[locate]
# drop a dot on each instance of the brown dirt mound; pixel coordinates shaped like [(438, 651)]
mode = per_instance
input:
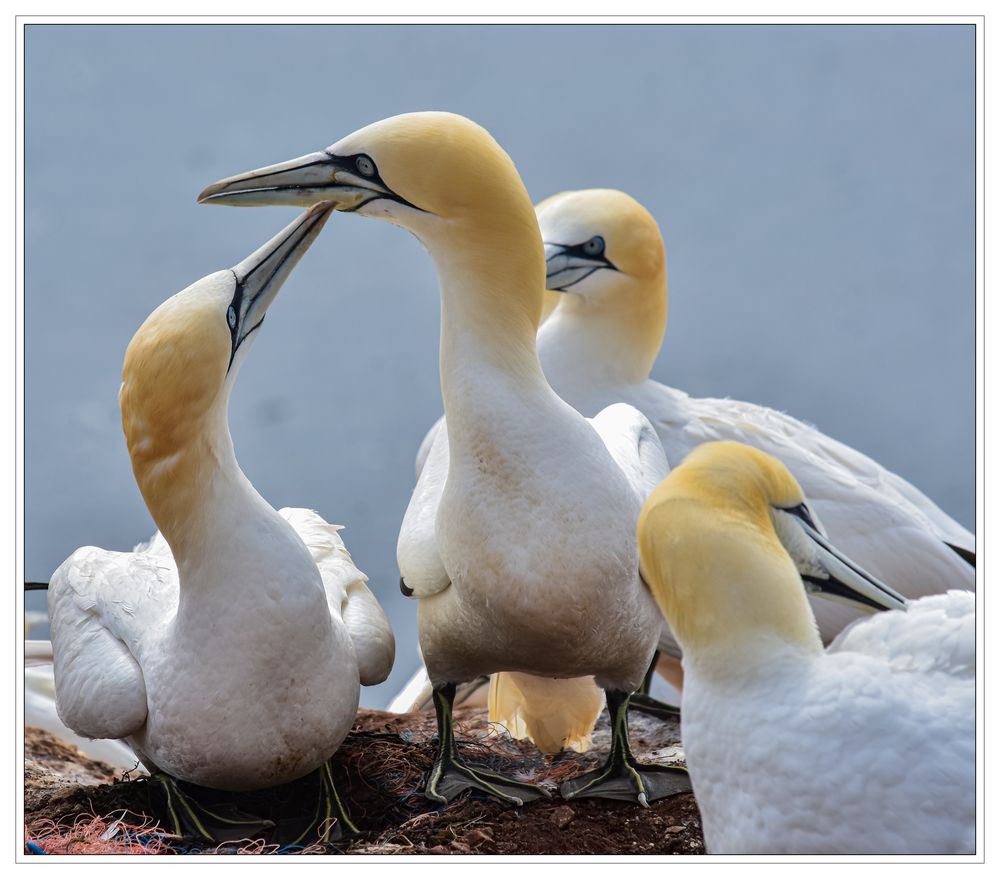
[(379, 771)]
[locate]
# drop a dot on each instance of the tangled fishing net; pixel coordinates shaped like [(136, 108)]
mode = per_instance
[(94, 835)]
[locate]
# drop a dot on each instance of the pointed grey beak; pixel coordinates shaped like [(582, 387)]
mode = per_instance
[(307, 180), (845, 581), (259, 277), (565, 266), (303, 181)]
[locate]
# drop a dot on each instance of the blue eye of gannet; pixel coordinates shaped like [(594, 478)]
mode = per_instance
[(569, 264), (231, 317), (363, 165)]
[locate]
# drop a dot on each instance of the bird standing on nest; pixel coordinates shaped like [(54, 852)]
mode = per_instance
[(527, 559)]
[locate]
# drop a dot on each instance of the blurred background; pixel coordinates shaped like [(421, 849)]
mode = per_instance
[(815, 187)]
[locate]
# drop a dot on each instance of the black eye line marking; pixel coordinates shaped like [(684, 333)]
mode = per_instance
[(237, 301), (833, 586), (235, 304), (830, 584), (577, 250), (349, 164), (801, 511)]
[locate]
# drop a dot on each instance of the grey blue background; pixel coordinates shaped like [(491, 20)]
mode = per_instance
[(814, 184)]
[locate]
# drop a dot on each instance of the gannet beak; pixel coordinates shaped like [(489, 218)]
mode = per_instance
[(566, 265), (259, 277), (833, 575), (317, 177)]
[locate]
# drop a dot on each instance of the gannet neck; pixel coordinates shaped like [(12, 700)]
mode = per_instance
[(228, 541), (744, 660), (174, 398), (612, 340), (491, 271), (188, 475)]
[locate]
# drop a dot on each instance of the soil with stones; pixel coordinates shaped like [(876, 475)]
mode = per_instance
[(379, 770)]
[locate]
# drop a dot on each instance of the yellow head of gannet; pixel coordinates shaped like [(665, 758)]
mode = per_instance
[(415, 171), (604, 251), (727, 542), (180, 367)]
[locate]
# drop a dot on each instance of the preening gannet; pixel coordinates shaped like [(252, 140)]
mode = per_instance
[(866, 747), (228, 651), (526, 560)]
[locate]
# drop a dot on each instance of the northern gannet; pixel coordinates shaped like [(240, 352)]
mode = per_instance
[(519, 543), (600, 344), (866, 747), (228, 650)]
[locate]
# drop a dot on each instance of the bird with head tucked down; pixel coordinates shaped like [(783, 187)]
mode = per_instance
[(865, 747)]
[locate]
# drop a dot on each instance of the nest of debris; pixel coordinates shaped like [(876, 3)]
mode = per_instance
[(77, 806)]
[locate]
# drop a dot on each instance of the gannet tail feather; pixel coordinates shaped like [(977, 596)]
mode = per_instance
[(968, 555), (554, 714), (37, 653), (415, 696), (418, 694)]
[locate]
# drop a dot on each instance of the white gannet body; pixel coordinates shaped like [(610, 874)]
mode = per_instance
[(519, 541), (865, 747), (226, 651)]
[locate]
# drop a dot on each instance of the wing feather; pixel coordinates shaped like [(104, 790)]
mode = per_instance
[(348, 596), (934, 634), (417, 550), (635, 446), (97, 599)]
